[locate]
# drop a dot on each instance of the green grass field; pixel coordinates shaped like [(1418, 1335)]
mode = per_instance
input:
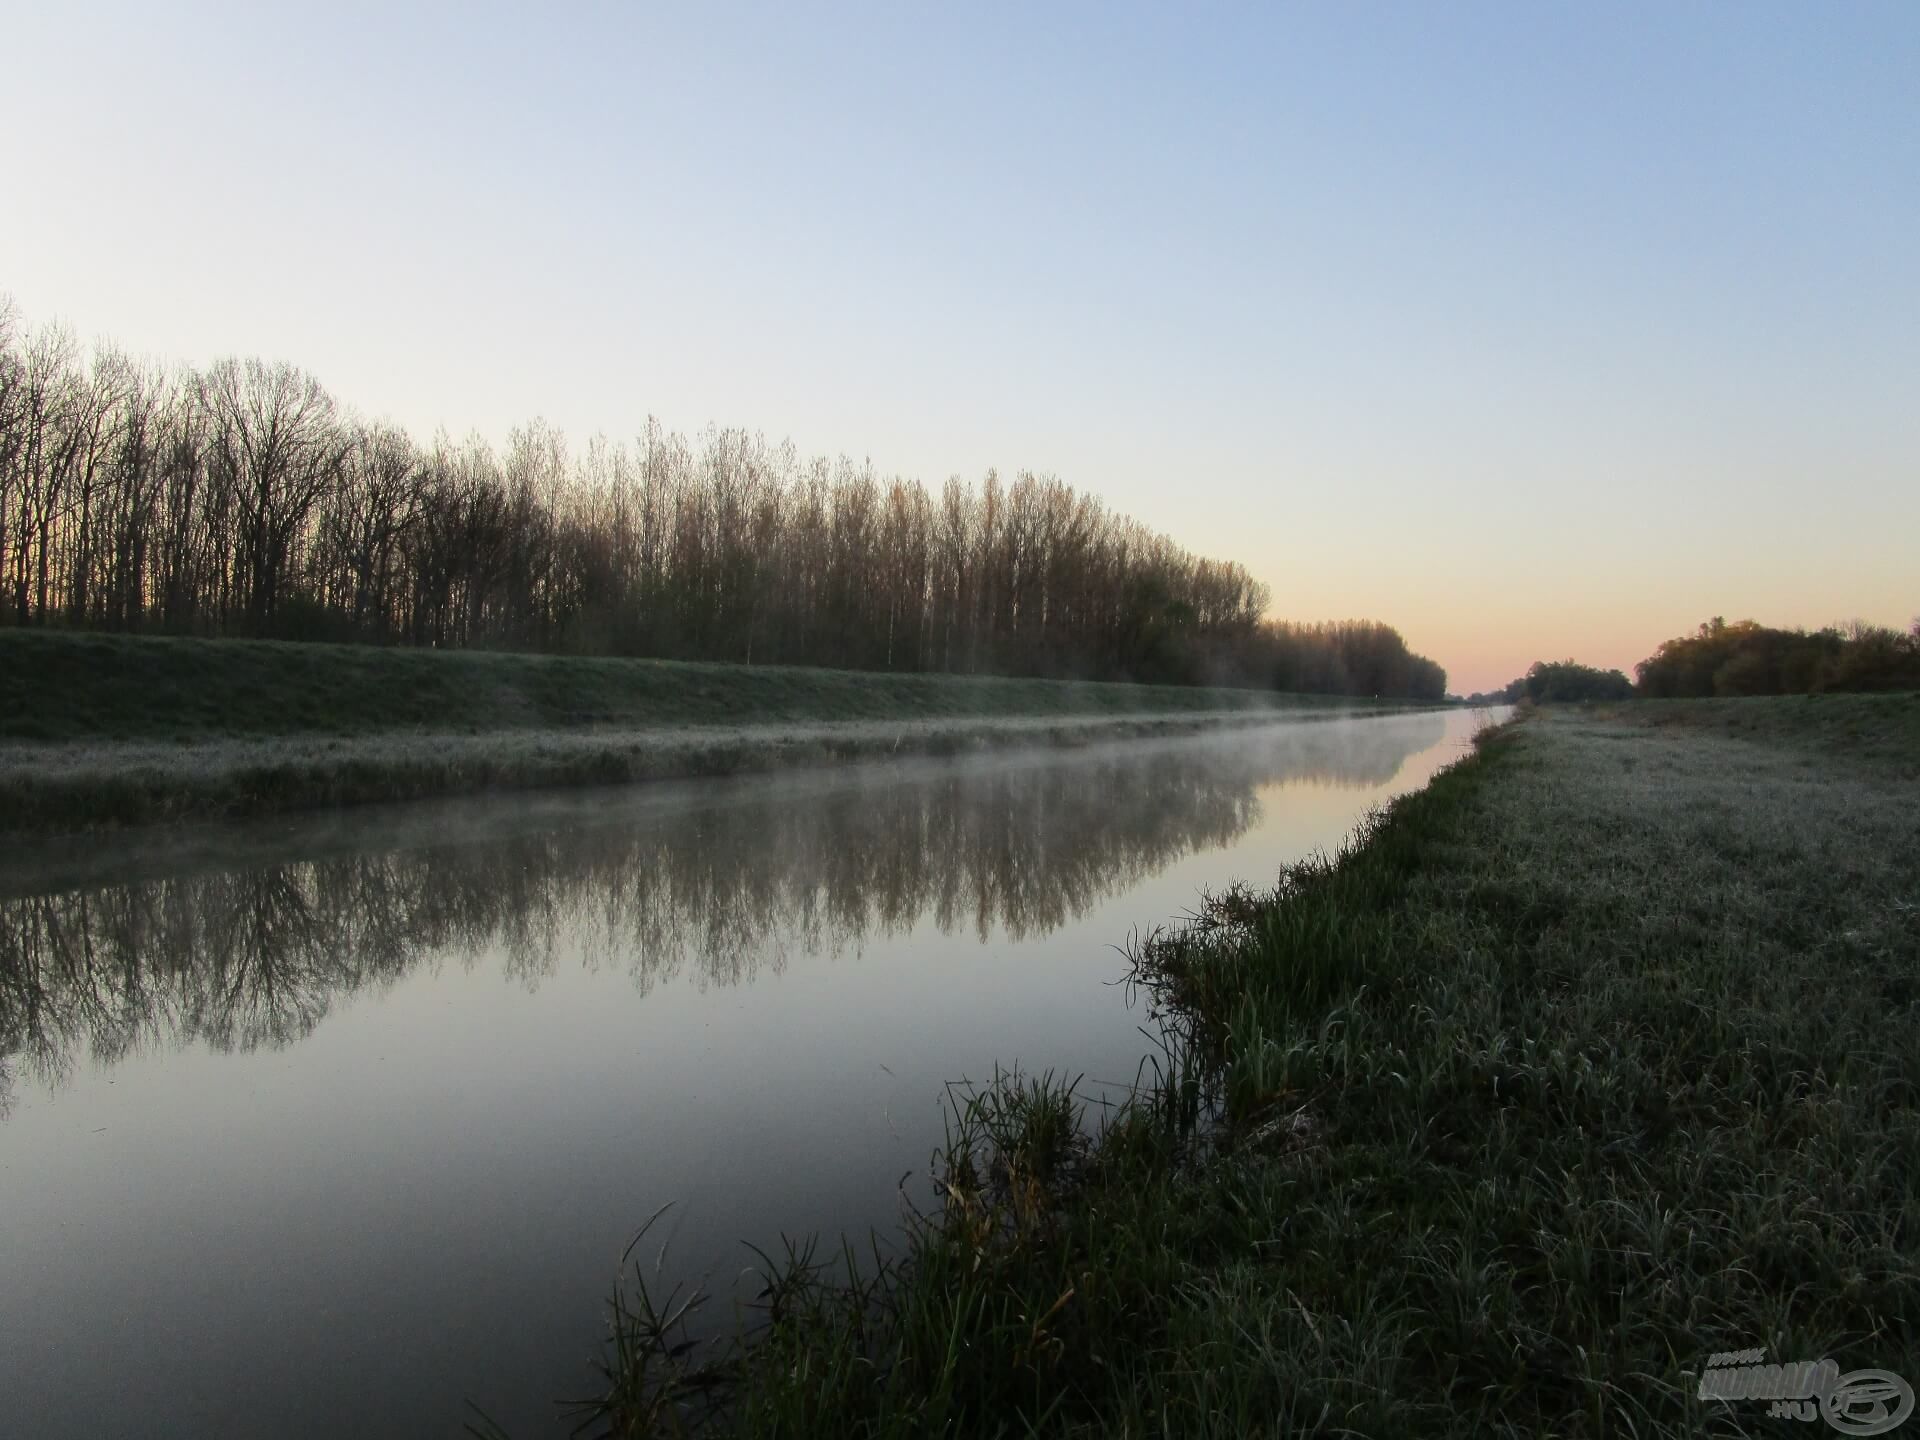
[(1593, 1059), (64, 685)]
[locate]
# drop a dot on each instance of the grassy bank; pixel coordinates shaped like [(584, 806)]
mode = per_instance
[(102, 730), (88, 786), (1880, 733), (66, 686), (1593, 1059)]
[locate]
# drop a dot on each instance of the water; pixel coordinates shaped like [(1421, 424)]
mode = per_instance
[(333, 1127)]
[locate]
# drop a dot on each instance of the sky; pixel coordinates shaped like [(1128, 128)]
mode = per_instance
[(1535, 331)]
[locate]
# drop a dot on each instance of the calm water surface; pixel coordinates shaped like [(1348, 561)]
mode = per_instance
[(335, 1127)]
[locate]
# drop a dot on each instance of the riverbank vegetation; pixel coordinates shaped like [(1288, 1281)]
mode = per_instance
[(1588, 1061), (244, 499), (64, 686), (100, 730)]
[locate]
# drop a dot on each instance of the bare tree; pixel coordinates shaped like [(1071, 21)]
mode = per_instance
[(275, 449)]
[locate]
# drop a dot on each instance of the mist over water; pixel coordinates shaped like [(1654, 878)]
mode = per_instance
[(333, 1125)]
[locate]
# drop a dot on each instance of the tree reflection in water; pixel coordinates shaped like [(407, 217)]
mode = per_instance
[(243, 958)]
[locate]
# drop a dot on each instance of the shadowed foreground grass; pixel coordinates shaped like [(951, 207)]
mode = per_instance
[(1594, 1058)]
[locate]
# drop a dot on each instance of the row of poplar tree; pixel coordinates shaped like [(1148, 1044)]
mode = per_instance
[(243, 499)]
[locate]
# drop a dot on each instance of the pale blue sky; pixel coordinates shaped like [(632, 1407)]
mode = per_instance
[(1531, 329)]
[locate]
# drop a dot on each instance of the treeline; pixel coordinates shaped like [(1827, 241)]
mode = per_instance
[(1554, 681), (244, 500), (1744, 658)]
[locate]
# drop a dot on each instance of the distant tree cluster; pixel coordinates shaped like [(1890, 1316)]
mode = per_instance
[(1746, 658), (1549, 682), (243, 499), (1343, 657)]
